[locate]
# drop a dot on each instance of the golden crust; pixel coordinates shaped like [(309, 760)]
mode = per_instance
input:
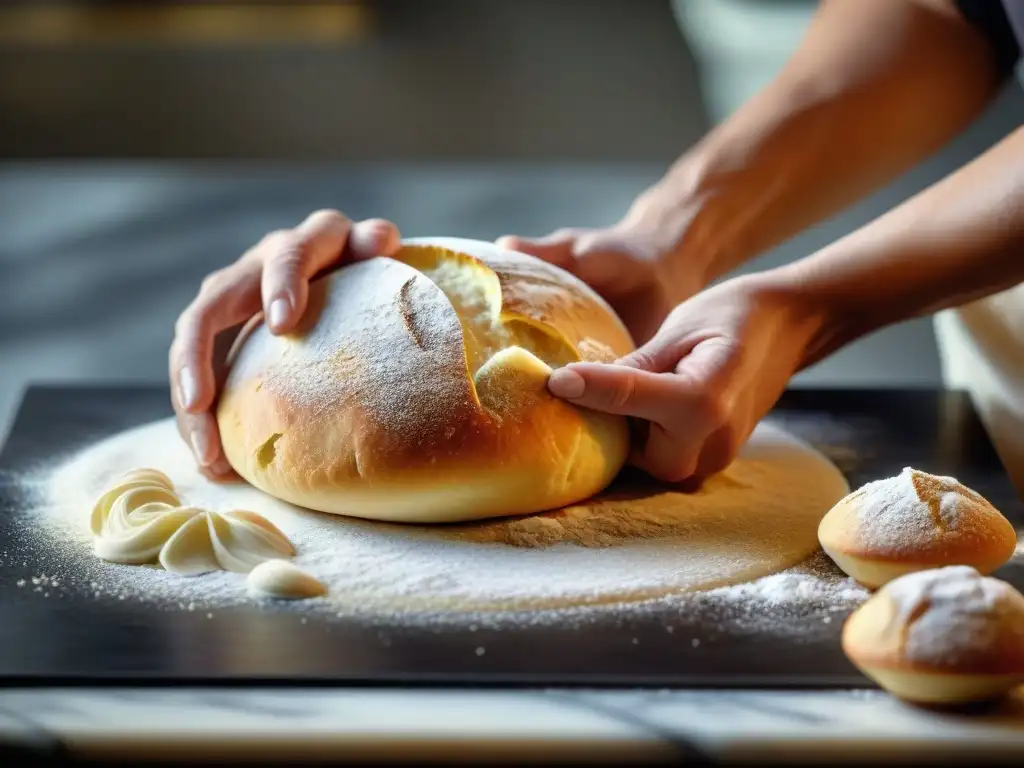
[(371, 408), (946, 634), (980, 537)]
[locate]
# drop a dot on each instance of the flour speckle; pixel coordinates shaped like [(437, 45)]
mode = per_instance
[(448, 574)]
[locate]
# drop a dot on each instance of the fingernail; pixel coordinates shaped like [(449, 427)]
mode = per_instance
[(200, 447), (277, 315), (565, 382), (188, 388)]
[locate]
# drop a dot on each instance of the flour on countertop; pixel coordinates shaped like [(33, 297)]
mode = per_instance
[(385, 571)]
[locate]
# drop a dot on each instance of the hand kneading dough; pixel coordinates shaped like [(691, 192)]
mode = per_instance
[(416, 390), (943, 636), (912, 522)]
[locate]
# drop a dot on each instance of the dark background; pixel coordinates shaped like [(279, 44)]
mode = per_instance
[(144, 144)]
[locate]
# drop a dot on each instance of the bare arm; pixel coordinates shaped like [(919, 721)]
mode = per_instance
[(958, 241), (875, 87)]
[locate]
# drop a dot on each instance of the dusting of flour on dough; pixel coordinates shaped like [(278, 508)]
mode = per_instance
[(909, 511), (587, 557), (954, 616)]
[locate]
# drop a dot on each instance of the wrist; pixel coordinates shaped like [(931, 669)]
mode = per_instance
[(662, 217), (818, 324), (711, 212)]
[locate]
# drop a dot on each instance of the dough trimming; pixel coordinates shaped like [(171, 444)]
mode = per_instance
[(141, 519)]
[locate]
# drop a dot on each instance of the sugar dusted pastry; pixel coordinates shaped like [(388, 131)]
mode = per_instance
[(911, 522), (943, 636)]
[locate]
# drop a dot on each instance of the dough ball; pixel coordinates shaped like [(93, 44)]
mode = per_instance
[(415, 390), (283, 580), (943, 636), (911, 522)]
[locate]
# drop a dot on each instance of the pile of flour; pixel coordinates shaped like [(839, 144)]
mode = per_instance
[(404, 573)]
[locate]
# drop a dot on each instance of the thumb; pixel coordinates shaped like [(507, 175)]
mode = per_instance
[(619, 389), (697, 388)]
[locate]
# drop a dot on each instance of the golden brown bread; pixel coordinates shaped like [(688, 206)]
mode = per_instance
[(911, 522), (943, 636), (415, 390)]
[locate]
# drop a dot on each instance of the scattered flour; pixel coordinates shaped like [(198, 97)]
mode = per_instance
[(446, 574)]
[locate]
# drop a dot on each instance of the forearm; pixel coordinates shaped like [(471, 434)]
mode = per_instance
[(960, 240), (876, 86)]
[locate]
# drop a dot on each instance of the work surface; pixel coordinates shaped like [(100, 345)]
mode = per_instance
[(68, 633), (112, 653)]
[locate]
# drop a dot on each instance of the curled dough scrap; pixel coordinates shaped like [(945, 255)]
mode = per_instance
[(141, 519), (283, 580)]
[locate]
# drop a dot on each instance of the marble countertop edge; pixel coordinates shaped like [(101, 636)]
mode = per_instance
[(553, 723)]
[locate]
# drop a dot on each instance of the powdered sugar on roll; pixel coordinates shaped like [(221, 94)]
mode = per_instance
[(954, 618), (912, 521)]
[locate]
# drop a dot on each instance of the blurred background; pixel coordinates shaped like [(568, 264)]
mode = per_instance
[(145, 144)]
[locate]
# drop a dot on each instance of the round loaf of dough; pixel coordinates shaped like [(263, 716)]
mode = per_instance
[(943, 636), (415, 390), (911, 522)]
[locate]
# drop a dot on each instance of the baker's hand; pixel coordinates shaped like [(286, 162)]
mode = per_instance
[(272, 277), (626, 267), (701, 384)]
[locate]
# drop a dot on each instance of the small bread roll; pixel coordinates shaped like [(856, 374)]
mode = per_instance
[(912, 522), (415, 390), (944, 636)]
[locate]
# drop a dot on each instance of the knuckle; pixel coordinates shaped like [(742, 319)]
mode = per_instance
[(269, 244), (712, 407), (620, 395), (194, 319), (287, 259), (674, 475), (181, 329), (675, 471), (717, 464), (567, 233), (211, 282), (286, 252), (176, 350), (276, 236), (643, 359), (588, 241), (376, 222), (326, 217)]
